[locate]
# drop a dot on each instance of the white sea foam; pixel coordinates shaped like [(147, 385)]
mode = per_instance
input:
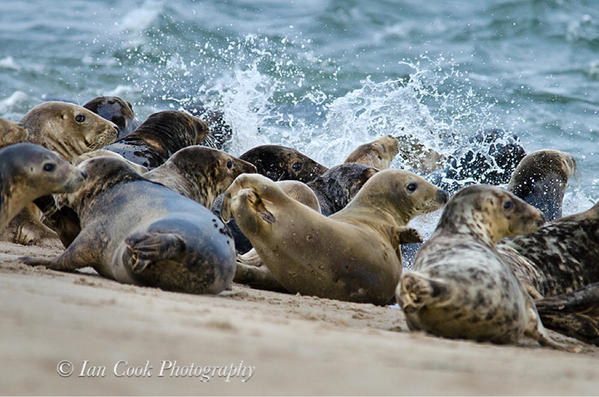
[(140, 18), (9, 63), (7, 104)]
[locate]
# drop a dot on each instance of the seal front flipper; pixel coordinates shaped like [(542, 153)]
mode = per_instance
[(575, 314), (408, 235), (416, 291), (77, 256), (147, 247), (256, 277)]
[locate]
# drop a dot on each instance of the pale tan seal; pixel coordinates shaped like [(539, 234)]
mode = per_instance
[(139, 232), (29, 171), (103, 153), (540, 179), (459, 286), (353, 255), (68, 129), (378, 154)]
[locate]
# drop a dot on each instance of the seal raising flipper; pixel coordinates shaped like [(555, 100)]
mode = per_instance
[(145, 248)]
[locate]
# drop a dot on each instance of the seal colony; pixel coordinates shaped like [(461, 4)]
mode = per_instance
[(136, 210)]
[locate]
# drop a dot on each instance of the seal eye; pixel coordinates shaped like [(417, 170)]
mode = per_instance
[(412, 187), (507, 205), (49, 167), (80, 118), (229, 164), (297, 166)]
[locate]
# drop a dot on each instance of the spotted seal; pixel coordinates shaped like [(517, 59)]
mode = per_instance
[(352, 255), (151, 236), (459, 286)]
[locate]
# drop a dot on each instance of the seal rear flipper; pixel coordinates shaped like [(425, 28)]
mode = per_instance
[(257, 277), (147, 247), (416, 291), (575, 314)]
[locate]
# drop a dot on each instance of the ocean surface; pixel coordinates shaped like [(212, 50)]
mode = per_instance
[(324, 76)]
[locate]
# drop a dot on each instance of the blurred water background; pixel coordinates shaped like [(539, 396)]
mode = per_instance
[(325, 75)]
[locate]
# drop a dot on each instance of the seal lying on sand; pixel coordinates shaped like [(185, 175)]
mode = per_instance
[(541, 178), (377, 154), (459, 286), (250, 267), (140, 232), (352, 255), (68, 129), (283, 163), (114, 109), (11, 132), (199, 173), (334, 189), (29, 171), (161, 135)]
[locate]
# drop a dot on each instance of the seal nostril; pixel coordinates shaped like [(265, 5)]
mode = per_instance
[(84, 174), (443, 196), (540, 223)]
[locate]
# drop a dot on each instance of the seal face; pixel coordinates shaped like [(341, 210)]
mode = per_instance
[(114, 109), (29, 171), (161, 135), (337, 186), (11, 133), (352, 255), (377, 154), (200, 173), (153, 236), (540, 179), (68, 129), (459, 286), (283, 163)]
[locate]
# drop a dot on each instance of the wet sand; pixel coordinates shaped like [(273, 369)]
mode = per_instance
[(296, 344)]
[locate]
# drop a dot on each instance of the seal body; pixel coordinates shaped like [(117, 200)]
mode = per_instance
[(540, 179), (377, 154), (152, 236), (114, 109), (11, 132), (352, 255), (283, 163), (459, 286), (200, 173), (161, 135), (68, 129), (29, 171)]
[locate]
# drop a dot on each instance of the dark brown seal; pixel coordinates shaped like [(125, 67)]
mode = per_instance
[(161, 135), (459, 286), (68, 129), (140, 232), (114, 109), (352, 255), (540, 179), (283, 163)]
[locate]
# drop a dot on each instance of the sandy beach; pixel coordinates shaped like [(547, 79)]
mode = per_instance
[(291, 344)]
